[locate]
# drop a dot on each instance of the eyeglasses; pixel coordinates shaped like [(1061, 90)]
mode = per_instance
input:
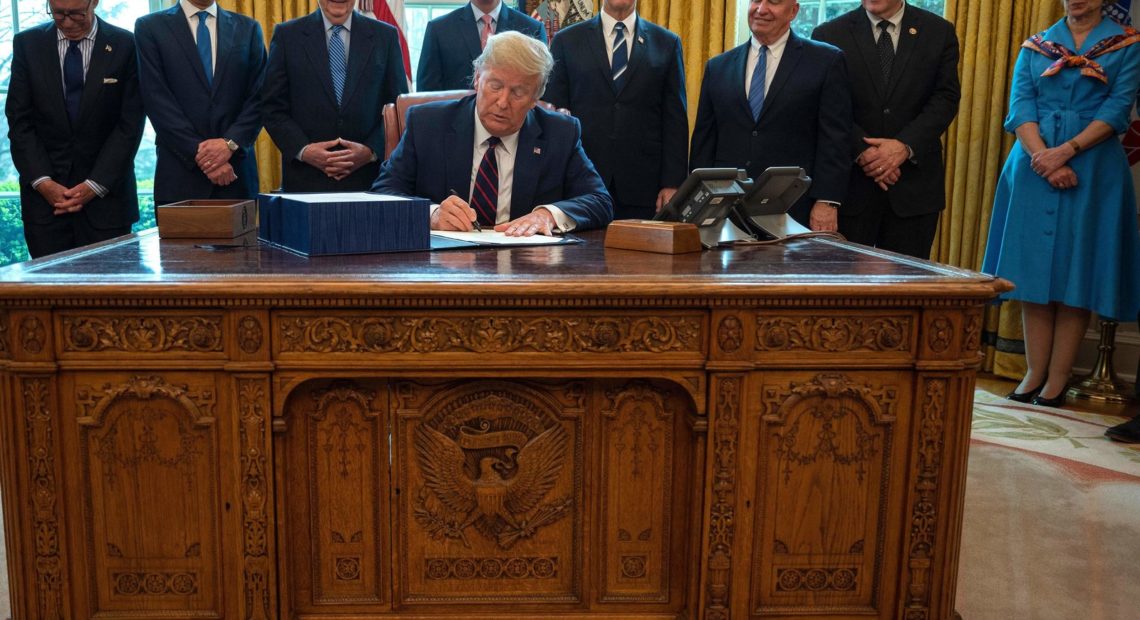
[(75, 16)]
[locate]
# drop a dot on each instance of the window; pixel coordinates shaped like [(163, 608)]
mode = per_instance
[(417, 15), (815, 12), (18, 15)]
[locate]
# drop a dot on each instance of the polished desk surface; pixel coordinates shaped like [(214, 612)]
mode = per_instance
[(143, 263)]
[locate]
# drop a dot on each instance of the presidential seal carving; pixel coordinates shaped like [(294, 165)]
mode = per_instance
[(490, 463)]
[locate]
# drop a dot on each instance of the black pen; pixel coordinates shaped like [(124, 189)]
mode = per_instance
[(475, 223)]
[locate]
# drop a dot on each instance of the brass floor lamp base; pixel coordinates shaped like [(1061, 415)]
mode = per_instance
[(1102, 384)]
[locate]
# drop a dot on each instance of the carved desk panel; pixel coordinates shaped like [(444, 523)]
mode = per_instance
[(565, 432)]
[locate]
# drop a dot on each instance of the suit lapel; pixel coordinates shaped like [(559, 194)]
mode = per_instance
[(180, 30), (469, 32), (101, 54), (909, 32), (740, 70), (359, 51), (317, 49), (793, 51), (459, 144), (598, 48), (225, 45), (860, 28), (48, 64), (528, 164)]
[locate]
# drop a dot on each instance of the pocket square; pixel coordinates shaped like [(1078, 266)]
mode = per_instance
[(110, 81)]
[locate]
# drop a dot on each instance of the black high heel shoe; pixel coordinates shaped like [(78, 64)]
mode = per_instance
[(1056, 401), (1026, 397)]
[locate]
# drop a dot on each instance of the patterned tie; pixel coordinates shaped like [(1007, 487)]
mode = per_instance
[(205, 51), (756, 89), (621, 53), (338, 61), (73, 80), (485, 194), (485, 31), (886, 50)]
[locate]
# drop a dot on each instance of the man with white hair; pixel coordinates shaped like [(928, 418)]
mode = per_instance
[(493, 158)]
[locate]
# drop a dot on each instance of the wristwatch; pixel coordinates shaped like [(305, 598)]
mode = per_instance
[(231, 145)]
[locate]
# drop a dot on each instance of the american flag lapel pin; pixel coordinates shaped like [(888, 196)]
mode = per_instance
[(108, 48), (538, 150), (913, 31)]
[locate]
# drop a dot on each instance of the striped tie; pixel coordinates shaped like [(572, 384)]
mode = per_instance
[(338, 61), (485, 194), (205, 50), (756, 90), (621, 52), (485, 31), (886, 50)]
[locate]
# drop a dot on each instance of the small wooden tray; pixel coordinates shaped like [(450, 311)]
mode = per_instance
[(206, 219), (653, 236)]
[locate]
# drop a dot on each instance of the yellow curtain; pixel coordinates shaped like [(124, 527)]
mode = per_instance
[(990, 33), (706, 28), (269, 13)]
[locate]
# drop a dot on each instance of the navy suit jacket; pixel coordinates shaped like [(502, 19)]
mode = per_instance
[(805, 121), (636, 133), (434, 157), (185, 109), (299, 102), (451, 43), (102, 144), (915, 106)]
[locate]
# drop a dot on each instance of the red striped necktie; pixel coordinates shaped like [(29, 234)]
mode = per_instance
[(485, 194)]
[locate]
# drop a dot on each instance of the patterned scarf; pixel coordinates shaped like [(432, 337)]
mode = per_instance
[(1066, 57)]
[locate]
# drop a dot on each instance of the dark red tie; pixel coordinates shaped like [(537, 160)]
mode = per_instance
[(485, 194)]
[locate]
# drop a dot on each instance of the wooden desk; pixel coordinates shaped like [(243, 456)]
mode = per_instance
[(540, 432)]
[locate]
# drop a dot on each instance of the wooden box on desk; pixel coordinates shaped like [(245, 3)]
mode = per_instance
[(345, 223), (206, 219)]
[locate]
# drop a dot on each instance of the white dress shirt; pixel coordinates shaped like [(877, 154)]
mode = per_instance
[(608, 23), (775, 52), (494, 13), (895, 27)]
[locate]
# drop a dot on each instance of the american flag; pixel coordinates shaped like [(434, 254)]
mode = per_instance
[(392, 12)]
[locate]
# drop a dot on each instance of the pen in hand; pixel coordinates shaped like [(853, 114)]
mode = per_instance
[(475, 222)]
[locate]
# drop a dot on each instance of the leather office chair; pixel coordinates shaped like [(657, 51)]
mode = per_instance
[(396, 113)]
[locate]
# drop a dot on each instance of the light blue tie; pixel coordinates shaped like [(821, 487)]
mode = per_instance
[(338, 61), (756, 90), (205, 51)]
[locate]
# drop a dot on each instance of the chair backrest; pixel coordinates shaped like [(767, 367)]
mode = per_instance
[(395, 114)]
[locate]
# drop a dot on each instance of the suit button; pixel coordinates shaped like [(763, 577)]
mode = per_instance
[(747, 163), (1048, 233), (755, 133), (886, 110), (617, 106)]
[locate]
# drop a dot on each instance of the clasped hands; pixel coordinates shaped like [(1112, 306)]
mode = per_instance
[(455, 214), (213, 159), (337, 158), (1051, 164), (881, 161), (65, 200)]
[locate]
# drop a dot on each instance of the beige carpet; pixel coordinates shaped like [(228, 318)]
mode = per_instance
[(1052, 523)]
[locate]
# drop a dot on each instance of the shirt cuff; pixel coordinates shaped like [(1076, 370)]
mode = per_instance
[(40, 181), (830, 203), (99, 190), (564, 222), (301, 153)]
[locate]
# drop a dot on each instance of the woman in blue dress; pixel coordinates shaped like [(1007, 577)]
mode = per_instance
[(1064, 226)]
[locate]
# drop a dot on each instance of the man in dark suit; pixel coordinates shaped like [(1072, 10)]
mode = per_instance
[(624, 78), (330, 74), (74, 123), (200, 71), (523, 167), (453, 41), (795, 112), (905, 90)]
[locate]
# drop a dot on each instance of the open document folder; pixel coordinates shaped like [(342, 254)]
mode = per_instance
[(447, 239)]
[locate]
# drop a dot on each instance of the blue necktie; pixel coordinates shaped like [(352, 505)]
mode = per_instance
[(73, 80), (621, 53), (205, 51), (756, 90), (338, 63)]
